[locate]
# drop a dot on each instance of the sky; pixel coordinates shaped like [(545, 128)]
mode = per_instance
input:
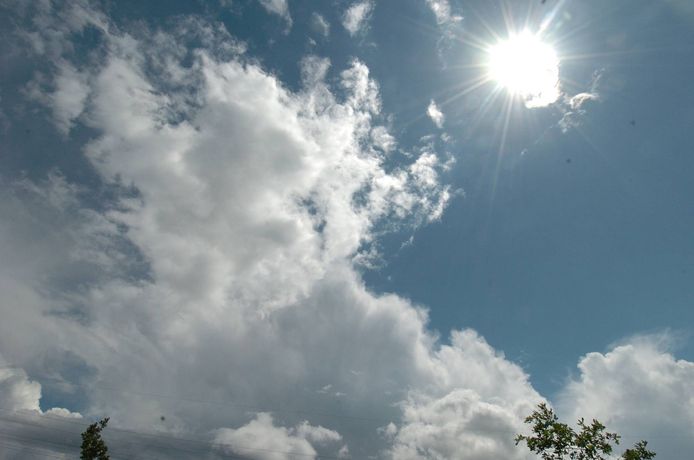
[(283, 229)]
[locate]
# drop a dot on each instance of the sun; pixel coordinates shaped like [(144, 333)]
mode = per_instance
[(526, 67)]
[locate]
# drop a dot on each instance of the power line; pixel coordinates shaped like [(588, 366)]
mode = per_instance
[(32, 449), (221, 402), (208, 445), (130, 432), (194, 446), (118, 451), (36, 440), (479, 431), (267, 409)]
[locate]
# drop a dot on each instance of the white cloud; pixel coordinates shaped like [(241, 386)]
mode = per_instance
[(577, 107), (448, 24), (17, 392), (424, 170), (69, 96), (65, 97), (246, 203), (313, 71), (316, 434), (473, 412), (52, 27), (320, 25), (580, 100), (435, 114), (639, 390), (260, 439), (442, 11), (458, 425), (357, 15), (363, 90), (382, 139), (278, 7), (62, 412)]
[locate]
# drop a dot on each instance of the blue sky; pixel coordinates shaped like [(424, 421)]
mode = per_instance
[(294, 228)]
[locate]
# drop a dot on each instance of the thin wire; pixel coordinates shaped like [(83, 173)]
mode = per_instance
[(116, 451), (36, 451), (209, 445), (211, 402), (213, 444), (251, 407), (36, 439)]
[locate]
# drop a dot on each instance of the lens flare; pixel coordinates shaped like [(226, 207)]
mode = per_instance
[(527, 68)]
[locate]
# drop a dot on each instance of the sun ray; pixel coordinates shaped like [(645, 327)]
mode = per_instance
[(424, 27), (479, 19), (549, 17), (473, 66), (467, 87), (473, 41), (617, 53), (504, 130), (483, 109), (586, 23), (507, 15), (508, 107), (475, 84)]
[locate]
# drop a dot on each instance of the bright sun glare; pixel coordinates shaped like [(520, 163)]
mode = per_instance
[(527, 67)]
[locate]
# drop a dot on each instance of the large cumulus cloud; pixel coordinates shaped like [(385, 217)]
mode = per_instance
[(473, 411), (637, 389), (222, 268)]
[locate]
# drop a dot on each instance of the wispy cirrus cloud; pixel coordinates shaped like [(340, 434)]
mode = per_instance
[(442, 11), (448, 23)]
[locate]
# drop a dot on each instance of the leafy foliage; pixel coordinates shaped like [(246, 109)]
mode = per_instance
[(93, 446), (639, 452), (554, 440)]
